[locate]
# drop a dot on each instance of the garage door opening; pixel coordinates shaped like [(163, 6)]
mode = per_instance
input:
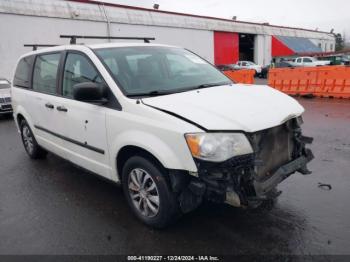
[(246, 47)]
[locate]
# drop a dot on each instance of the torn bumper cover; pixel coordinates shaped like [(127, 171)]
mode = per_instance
[(250, 179)]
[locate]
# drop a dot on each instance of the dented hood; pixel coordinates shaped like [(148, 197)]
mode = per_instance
[(241, 107)]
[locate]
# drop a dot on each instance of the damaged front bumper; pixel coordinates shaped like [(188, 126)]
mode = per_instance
[(245, 181)]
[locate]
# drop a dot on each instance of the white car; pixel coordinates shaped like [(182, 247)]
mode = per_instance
[(5, 97), (248, 65), (171, 128), (308, 62)]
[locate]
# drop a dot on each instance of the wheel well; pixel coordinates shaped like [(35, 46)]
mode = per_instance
[(128, 151), (19, 119)]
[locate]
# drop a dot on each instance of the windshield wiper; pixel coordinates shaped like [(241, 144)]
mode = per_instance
[(168, 92), (209, 85), (151, 93)]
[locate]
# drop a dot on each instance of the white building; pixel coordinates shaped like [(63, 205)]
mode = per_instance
[(218, 40)]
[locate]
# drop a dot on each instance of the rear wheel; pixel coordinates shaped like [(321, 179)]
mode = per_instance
[(147, 192), (31, 146)]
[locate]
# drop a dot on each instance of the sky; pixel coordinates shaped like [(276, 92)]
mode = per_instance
[(310, 14)]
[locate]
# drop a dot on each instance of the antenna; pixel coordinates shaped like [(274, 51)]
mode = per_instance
[(73, 38)]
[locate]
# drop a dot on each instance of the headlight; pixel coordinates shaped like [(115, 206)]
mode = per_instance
[(218, 147)]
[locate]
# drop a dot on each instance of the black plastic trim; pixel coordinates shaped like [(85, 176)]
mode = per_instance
[(85, 145)]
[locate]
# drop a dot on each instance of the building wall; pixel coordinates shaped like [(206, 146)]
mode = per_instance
[(121, 15), (42, 21), (36, 30), (325, 44), (262, 49)]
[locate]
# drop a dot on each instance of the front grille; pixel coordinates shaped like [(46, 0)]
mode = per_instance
[(5, 100), (273, 149)]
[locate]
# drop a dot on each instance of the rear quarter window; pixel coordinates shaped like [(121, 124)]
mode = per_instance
[(23, 72)]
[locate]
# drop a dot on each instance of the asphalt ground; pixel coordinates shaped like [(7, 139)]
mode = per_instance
[(52, 207)]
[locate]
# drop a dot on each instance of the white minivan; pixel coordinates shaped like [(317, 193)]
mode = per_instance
[(162, 121)]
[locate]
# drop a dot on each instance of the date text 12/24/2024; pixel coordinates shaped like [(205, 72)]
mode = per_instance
[(173, 258)]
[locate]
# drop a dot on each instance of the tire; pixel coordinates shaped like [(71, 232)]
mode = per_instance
[(147, 192), (29, 142)]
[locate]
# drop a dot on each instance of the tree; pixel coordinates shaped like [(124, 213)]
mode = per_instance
[(339, 42)]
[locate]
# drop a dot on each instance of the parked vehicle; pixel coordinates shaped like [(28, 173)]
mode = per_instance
[(225, 67), (336, 59), (308, 62), (265, 70), (5, 97), (168, 126), (248, 65)]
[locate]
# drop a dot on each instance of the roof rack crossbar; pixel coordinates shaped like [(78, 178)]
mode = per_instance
[(35, 46), (73, 38)]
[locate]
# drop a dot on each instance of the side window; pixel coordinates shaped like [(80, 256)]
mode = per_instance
[(78, 69), (244, 63), (45, 73), (23, 72), (299, 60), (307, 60)]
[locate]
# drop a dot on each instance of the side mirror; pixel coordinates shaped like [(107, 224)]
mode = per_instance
[(90, 92)]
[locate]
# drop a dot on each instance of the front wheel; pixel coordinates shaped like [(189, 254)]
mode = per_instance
[(31, 146), (147, 192)]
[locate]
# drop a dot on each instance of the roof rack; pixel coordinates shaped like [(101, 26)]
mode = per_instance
[(35, 46), (73, 38)]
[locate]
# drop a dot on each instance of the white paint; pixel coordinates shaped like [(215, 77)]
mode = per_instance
[(241, 107), (237, 107), (262, 49), (47, 31)]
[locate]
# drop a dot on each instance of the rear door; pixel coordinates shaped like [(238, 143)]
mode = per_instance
[(81, 125), (44, 85)]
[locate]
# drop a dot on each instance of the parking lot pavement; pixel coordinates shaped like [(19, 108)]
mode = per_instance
[(260, 81), (51, 207)]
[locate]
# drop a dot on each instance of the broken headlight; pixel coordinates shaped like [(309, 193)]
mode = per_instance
[(218, 147)]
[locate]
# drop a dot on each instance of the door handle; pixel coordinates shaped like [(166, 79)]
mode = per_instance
[(49, 105), (62, 109)]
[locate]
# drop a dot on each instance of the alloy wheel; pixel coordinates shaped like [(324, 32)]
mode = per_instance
[(28, 139), (143, 192)]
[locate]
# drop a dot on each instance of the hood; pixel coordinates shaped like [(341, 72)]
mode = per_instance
[(248, 108), (5, 92)]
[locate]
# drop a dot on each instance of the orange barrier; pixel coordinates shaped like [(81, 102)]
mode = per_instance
[(244, 76), (324, 81)]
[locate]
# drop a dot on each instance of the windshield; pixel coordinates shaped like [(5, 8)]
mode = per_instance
[(311, 58), (154, 70)]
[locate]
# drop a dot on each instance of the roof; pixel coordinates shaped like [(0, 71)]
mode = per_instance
[(93, 46), (299, 44), (325, 54), (190, 15), (125, 44)]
